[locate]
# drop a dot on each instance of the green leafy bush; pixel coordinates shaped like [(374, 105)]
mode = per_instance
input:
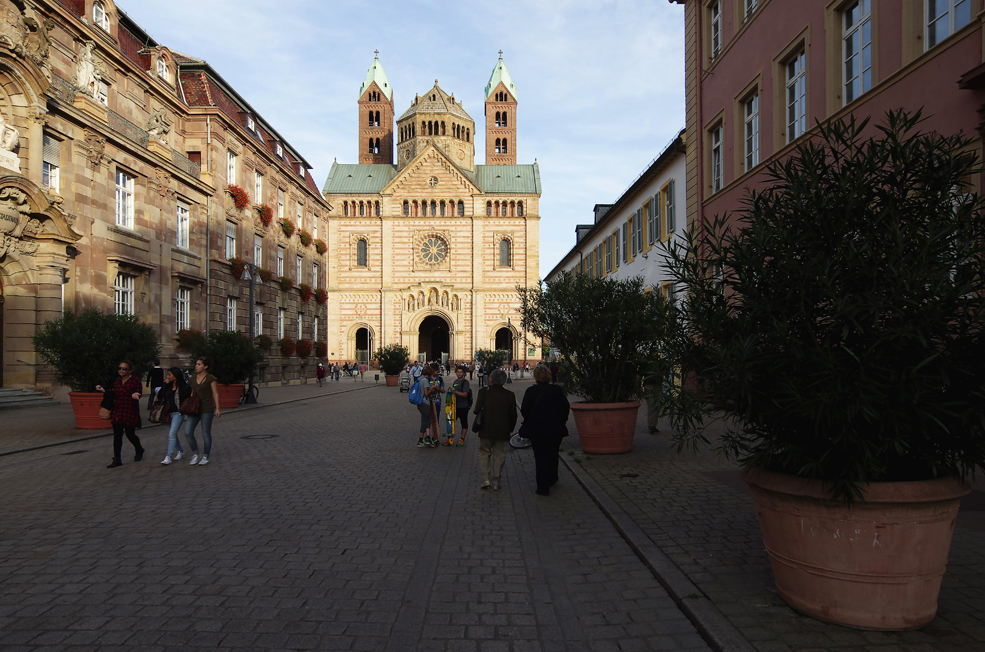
[(491, 358), (392, 358), (85, 348), (232, 356), (836, 320)]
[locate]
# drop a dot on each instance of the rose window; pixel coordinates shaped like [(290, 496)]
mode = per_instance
[(434, 250)]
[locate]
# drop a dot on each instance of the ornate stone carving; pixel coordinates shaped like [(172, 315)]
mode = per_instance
[(158, 126), (16, 222), (162, 179), (9, 136), (39, 114), (26, 33), (94, 147), (87, 73)]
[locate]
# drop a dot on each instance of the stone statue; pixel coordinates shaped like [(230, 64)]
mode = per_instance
[(87, 77), (9, 136), (157, 126)]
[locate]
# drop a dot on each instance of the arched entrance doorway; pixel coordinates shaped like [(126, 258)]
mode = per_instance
[(363, 345), (504, 341), (434, 339)]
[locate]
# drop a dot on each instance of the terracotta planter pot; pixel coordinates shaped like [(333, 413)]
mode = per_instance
[(874, 565), (229, 395), (391, 381), (605, 428), (85, 407)]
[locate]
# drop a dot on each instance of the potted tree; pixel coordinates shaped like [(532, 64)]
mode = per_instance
[(605, 355), (232, 359), (835, 323), (84, 350), (392, 359)]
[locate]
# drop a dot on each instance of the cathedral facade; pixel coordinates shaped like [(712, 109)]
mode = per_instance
[(428, 250)]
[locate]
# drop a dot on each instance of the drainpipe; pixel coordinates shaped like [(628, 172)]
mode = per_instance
[(208, 225)]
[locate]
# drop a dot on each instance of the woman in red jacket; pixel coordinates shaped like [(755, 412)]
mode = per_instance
[(125, 415)]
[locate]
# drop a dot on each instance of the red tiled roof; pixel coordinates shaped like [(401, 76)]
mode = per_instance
[(78, 7), (196, 89), (130, 46)]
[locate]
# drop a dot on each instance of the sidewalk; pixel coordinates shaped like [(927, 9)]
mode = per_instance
[(692, 521), (31, 428)]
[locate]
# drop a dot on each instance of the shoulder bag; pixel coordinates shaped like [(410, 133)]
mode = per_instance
[(191, 406)]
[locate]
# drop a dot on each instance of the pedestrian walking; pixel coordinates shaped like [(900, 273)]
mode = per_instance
[(463, 401), (498, 407), (426, 409), (174, 391), (203, 385), (125, 415), (545, 412), (155, 379), (320, 373)]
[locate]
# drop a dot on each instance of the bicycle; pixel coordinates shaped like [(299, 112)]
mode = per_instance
[(255, 391)]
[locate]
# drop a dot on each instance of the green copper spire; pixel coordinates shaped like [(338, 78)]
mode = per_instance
[(500, 74), (376, 74)]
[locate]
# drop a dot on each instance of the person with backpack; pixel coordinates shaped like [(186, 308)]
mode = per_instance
[(423, 394), (463, 401)]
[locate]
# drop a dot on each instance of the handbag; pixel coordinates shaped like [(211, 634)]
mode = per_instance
[(165, 416), (479, 418), (106, 405), (191, 406), (155, 413)]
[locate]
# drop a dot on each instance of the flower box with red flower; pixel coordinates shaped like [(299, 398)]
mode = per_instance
[(305, 291), (321, 349), (287, 226), (304, 237), (303, 348), (320, 246), (240, 197), (237, 265), (287, 345), (321, 296), (265, 213), (285, 283), (189, 337), (264, 342), (264, 274)]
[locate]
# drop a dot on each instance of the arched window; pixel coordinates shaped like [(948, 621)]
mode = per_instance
[(370, 119), (512, 209), (504, 253), (99, 15), (434, 208), (345, 208), (467, 134), (376, 123), (497, 118), (488, 208), (504, 146), (376, 146), (503, 207), (377, 209), (430, 128), (503, 120), (414, 210), (362, 209), (442, 207), (361, 253), (519, 209), (424, 128), (461, 209), (370, 145), (497, 145), (406, 208), (442, 128)]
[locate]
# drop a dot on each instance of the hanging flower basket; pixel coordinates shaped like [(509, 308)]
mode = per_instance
[(320, 246), (264, 274), (304, 237), (237, 265), (265, 213), (321, 296), (240, 197), (287, 226), (285, 283), (303, 348), (321, 349), (305, 291), (287, 346)]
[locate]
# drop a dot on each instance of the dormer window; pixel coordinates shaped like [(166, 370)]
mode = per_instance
[(300, 170), (99, 16), (162, 70), (280, 150), (250, 124)]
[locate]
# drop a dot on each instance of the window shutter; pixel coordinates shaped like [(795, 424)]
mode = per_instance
[(670, 207), (625, 249), (656, 216), (52, 150), (615, 244), (653, 219)]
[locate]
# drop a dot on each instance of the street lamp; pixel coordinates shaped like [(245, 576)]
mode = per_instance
[(250, 274)]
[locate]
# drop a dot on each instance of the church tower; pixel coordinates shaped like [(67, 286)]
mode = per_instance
[(500, 116), (376, 116)]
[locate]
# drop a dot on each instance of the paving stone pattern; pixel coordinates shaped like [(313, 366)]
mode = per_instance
[(338, 533), (696, 509)]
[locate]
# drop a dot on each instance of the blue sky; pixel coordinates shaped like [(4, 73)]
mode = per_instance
[(600, 83)]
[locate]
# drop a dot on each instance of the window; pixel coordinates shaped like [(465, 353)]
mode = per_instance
[(230, 166), (182, 308), (638, 230), (279, 149), (717, 175), (124, 293), (124, 199), (504, 252), (461, 209), (162, 69), (750, 110), (281, 319), (519, 209), (796, 96), (230, 239), (503, 209), (654, 227), (608, 254), (488, 208), (257, 320), (51, 157), (99, 16), (300, 324), (230, 313), (716, 29), (298, 264), (183, 226), (857, 49), (102, 93), (300, 215), (314, 227), (257, 250), (378, 209), (345, 209), (280, 261), (250, 124), (315, 280), (361, 253), (406, 208), (597, 255), (314, 329), (750, 7), (280, 203), (944, 17), (625, 249), (258, 187), (671, 221)]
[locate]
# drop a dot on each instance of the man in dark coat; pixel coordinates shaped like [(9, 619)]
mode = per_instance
[(155, 380), (498, 406), (545, 412)]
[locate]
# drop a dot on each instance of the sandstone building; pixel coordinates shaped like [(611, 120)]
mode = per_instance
[(116, 154), (427, 250)]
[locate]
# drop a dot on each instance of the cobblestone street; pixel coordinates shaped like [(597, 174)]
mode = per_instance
[(317, 525)]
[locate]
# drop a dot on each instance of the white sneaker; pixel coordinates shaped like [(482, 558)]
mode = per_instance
[(204, 460), (194, 459), (166, 460), (178, 455)]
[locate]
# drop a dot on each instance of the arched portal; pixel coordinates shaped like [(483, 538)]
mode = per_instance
[(434, 339), (363, 345), (504, 341)]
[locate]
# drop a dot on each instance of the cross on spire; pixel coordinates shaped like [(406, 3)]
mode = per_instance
[(500, 54), (377, 53)]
